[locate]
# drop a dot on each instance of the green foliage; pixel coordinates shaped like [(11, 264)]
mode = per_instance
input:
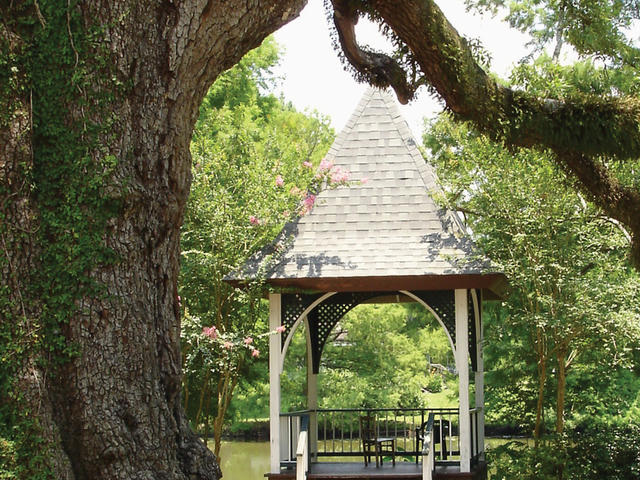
[(573, 295), (253, 164), (610, 451), (602, 30), (434, 383), (522, 461)]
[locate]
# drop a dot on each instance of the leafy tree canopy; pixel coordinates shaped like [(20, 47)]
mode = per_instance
[(253, 159)]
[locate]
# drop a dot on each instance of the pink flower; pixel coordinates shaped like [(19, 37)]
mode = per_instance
[(307, 204), (279, 181), (364, 180), (227, 345), (296, 191), (286, 214), (254, 220), (281, 329), (248, 340), (309, 201), (338, 175), (210, 332), (179, 301), (307, 164), (325, 165), (255, 353)]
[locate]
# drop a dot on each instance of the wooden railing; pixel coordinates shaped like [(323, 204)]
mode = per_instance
[(339, 434), (291, 426)]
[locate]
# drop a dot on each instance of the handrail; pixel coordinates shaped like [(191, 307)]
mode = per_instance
[(296, 413), (427, 449), (302, 456), (383, 409)]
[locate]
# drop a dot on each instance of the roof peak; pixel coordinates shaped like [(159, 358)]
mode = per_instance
[(386, 225)]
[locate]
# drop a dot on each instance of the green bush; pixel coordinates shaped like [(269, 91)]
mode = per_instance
[(596, 452), (605, 451), (517, 460), (434, 383)]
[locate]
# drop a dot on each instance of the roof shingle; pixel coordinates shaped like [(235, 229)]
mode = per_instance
[(387, 227)]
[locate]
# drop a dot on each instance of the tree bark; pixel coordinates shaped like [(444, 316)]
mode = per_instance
[(561, 357), (113, 411), (542, 378)]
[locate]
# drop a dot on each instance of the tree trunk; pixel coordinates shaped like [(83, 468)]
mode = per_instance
[(113, 411), (542, 378), (561, 357)]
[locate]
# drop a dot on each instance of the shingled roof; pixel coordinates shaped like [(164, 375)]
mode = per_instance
[(384, 234)]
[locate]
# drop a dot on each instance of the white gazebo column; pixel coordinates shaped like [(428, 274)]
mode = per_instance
[(462, 364), (312, 398), (275, 353), (479, 377)]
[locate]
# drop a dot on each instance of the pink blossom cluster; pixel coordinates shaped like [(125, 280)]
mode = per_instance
[(211, 332), (325, 165), (254, 351), (339, 175), (279, 181), (253, 220), (308, 203), (296, 191)]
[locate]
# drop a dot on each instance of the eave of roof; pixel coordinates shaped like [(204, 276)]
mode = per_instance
[(386, 234)]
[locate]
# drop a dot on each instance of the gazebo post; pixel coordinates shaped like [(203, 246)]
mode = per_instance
[(479, 376), (312, 398), (462, 365), (275, 353)]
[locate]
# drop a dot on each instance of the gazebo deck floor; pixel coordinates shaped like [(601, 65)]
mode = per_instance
[(402, 470)]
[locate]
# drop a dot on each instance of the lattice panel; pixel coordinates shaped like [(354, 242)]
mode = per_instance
[(442, 302), (325, 316), (293, 305)]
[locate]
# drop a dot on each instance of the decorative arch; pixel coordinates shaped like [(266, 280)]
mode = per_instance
[(291, 319), (435, 314), (324, 311)]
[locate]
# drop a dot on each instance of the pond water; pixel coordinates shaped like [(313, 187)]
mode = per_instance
[(250, 460), (244, 460)]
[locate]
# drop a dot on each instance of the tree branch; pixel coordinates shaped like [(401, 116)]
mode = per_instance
[(591, 126), (578, 130), (377, 69), (619, 202)]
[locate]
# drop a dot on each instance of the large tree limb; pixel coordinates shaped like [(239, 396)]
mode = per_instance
[(577, 130), (620, 202), (377, 69), (590, 126)]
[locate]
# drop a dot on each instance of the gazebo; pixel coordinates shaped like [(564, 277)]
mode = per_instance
[(381, 238)]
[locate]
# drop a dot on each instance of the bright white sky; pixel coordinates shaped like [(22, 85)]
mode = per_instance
[(314, 78)]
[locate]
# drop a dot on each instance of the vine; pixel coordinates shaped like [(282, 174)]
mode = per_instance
[(59, 78)]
